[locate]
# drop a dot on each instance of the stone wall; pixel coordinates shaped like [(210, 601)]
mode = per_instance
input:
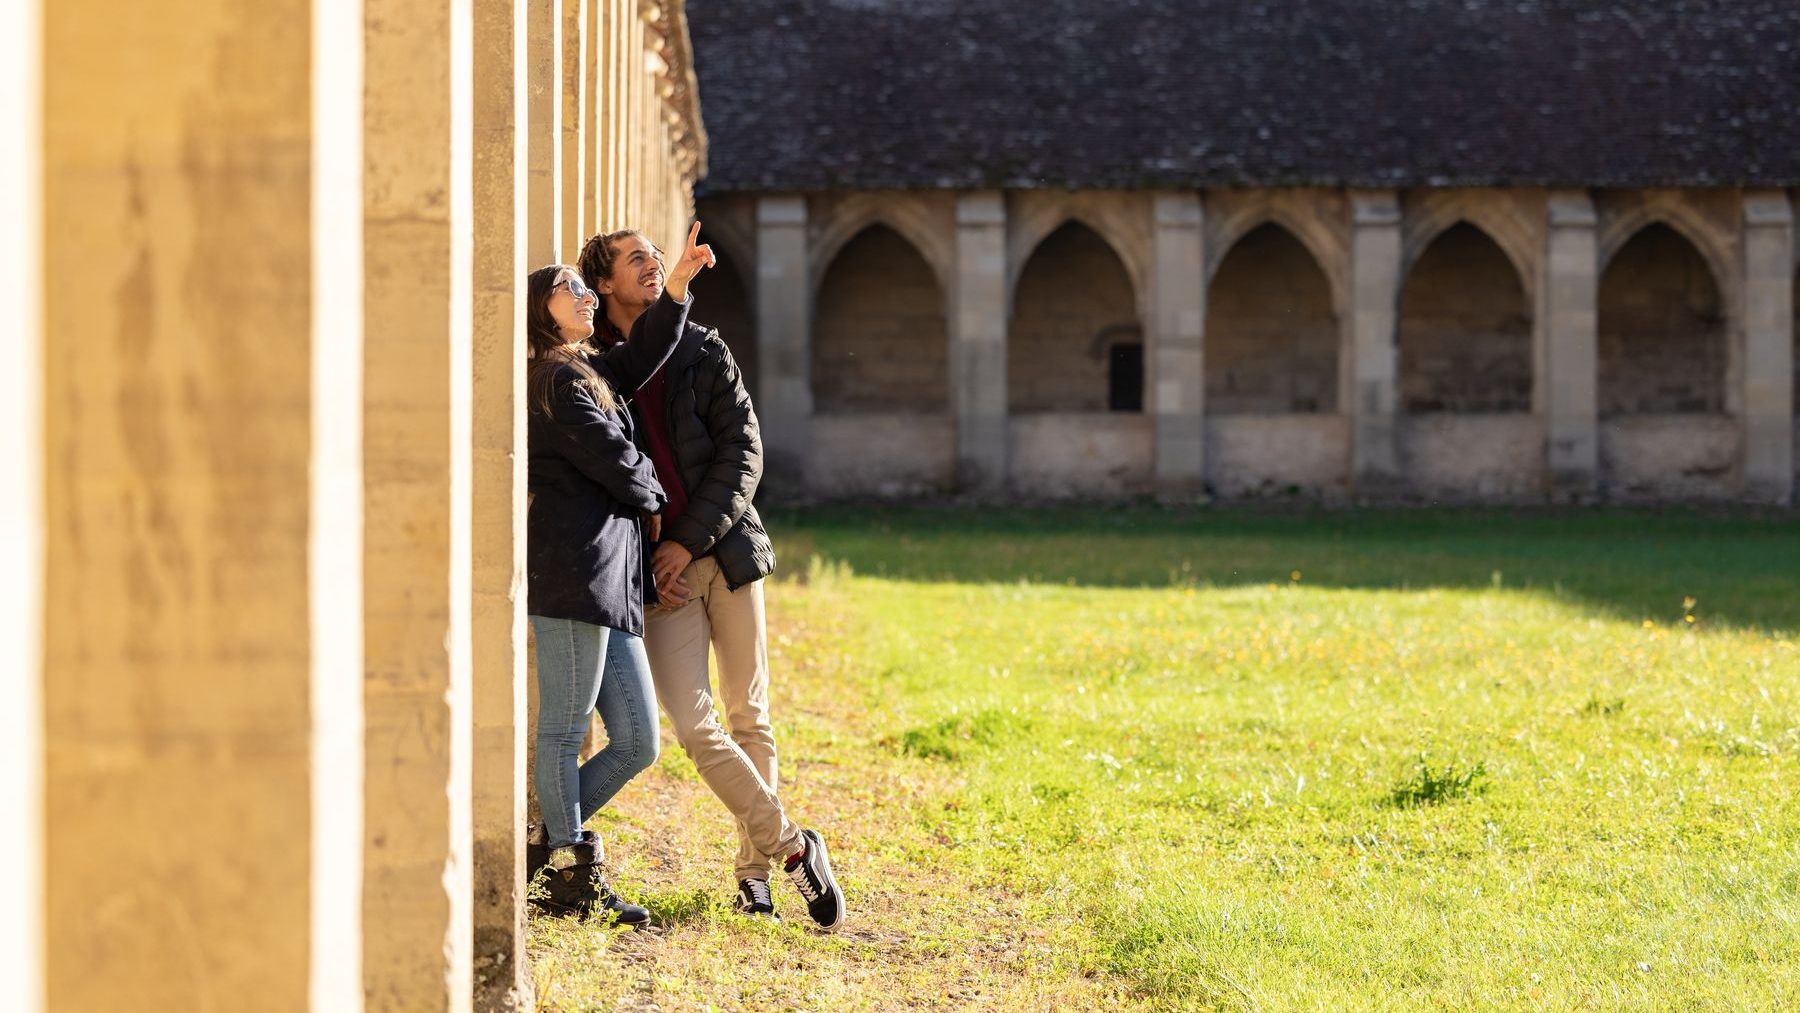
[(883, 454), (880, 341), (1497, 458), (1074, 300), (1271, 337), (1081, 455), (1662, 329), (1278, 456), (1465, 329), (1649, 458)]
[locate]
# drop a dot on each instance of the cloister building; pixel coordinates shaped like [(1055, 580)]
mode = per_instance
[(1495, 252)]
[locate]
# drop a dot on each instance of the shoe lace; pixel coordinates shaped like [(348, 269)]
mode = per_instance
[(758, 889), (804, 882)]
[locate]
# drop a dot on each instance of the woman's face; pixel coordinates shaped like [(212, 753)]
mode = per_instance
[(572, 307)]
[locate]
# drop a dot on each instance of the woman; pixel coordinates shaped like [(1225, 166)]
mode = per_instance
[(590, 489)]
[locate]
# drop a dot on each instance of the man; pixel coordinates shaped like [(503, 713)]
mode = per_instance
[(696, 425)]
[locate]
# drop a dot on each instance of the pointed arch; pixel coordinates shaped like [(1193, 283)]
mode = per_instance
[(1662, 327), (1465, 327), (1075, 328), (1272, 331), (880, 336)]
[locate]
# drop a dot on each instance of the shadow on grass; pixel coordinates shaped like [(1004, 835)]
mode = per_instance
[(1741, 568)]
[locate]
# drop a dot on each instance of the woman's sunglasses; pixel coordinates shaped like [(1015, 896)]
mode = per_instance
[(576, 288)]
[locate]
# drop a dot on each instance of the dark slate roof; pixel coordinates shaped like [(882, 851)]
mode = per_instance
[(818, 94)]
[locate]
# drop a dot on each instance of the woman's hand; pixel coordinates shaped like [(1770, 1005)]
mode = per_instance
[(652, 526), (695, 257)]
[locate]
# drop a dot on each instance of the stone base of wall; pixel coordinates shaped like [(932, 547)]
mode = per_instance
[(1269, 456), (887, 455), (1474, 458), (1670, 457), (1081, 455)]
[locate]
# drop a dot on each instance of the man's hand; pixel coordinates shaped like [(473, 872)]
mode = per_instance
[(695, 257), (652, 525), (669, 560)]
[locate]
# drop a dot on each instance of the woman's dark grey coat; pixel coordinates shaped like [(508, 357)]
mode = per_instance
[(584, 555)]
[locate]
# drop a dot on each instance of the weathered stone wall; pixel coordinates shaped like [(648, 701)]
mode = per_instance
[(1662, 331), (1465, 329), (1271, 337), (1491, 458), (883, 454), (1074, 300), (1081, 455), (1278, 456), (1649, 458), (880, 340)]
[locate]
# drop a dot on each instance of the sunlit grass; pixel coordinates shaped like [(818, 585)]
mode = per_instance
[(1190, 760)]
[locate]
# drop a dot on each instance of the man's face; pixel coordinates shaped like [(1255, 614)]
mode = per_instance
[(637, 274)]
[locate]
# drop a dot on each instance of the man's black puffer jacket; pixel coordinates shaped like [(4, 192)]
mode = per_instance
[(718, 449)]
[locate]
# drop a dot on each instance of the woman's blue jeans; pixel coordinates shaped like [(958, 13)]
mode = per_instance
[(581, 666)]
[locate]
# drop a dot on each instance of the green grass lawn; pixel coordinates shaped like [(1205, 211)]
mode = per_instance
[(1136, 758)]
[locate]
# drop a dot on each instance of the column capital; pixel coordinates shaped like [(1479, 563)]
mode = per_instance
[(1374, 208), (1178, 209), (1572, 209), (980, 208), (1768, 209), (780, 210)]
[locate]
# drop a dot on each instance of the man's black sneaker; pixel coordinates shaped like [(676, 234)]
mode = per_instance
[(811, 872), (755, 900)]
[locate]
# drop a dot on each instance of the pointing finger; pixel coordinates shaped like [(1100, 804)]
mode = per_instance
[(694, 234)]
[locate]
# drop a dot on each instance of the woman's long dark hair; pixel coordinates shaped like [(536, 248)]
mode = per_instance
[(547, 349)]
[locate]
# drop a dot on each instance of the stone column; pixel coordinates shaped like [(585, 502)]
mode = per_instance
[(418, 226), (1568, 394), (1768, 347), (202, 522), (784, 340), (498, 519), (21, 511), (1374, 320), (1179, 380), (978, 342), (543, 115), (574, 116)]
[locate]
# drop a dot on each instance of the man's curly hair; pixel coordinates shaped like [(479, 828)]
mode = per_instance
[(599, 253)]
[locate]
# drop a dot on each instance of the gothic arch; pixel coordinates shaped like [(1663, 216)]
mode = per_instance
[(907, 215), (1437, 212)]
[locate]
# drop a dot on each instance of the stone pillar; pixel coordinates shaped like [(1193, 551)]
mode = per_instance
[(574, 114), (543, 115), (498, 520), (784, 340), (1178, 376), (1568, 395), (978, 342), (1768, 347), (202, 522), (418, 228), (21, 512), (1374, 320)]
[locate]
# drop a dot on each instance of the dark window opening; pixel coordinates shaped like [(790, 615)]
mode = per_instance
[(1125, 378)]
